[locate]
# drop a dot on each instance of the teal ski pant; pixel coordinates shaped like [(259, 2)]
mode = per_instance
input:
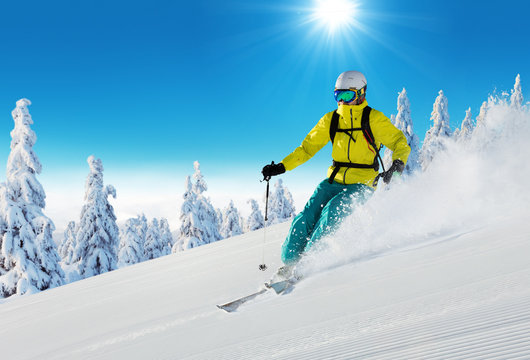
[(329, 204)]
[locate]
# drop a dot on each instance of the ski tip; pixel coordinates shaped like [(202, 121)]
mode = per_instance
[(230, 307), (234, 305), (225, 308)]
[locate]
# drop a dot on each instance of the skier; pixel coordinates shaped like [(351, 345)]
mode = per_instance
[(356, 132)]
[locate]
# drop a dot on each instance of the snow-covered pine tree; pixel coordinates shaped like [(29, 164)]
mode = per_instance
[(131, 244), (231, 222), (516, 99), (98, 235), (66, 249), (3, 224), (205, 211), (30, 262), (438, 134), (242, 223), (481, 118), (141, 227), (219, 216), (290, 211), (166, 236), (255, 220), (403, 121), (281, 204), (189, 233), (154, 247), (464, 133)]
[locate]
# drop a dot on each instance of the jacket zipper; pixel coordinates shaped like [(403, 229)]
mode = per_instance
[(349, 142)]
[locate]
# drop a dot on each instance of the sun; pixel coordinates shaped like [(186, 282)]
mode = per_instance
[(335, 14)]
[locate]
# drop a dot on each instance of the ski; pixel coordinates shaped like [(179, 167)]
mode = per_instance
[(279, 287), (234, 305)]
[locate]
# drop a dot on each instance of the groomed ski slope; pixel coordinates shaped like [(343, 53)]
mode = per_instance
[(458, 296), (435, 267)]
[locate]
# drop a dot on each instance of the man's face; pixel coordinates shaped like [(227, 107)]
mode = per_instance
[(354, 102), (347, 103)]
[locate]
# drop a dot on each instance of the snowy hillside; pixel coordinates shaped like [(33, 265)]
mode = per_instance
[(462, 295), (435, 267)]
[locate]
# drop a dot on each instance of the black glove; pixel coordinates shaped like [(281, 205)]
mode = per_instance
[(397, 166), (272, 169)]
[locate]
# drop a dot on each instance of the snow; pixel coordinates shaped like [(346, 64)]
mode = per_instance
[(453, 295), (434, 267)]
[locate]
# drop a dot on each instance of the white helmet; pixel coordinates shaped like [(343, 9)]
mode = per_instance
[(350, 80)]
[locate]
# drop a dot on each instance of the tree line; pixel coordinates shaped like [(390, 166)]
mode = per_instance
[(30, 260)]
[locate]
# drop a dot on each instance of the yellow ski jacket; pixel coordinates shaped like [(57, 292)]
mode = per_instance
[(346, 149)]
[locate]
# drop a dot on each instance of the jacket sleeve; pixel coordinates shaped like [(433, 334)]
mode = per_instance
[(390, 136), (317, 138)]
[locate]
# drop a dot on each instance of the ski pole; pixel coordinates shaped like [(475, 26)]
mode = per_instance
[(267, 201), (263, 266)]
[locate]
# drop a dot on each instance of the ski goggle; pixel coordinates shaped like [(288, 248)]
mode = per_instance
[(348, 95)]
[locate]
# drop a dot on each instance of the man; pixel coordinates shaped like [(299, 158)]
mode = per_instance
[(354, 172)]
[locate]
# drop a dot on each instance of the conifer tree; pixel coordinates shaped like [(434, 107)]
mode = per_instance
[(255, 220), (199, 219), (131, 244), (3, 225), (231, 221), (141, 227), (66, 250), (98, 235), (166, 236), (516, 98), (481, 118), (403, 121), (439, 132), (219, 216), (154, 247), (464, 133), (29, 261), (206, 213), (281, 204), (189, 233)]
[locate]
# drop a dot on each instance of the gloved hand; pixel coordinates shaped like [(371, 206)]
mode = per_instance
[(397, 166), (272, 169)]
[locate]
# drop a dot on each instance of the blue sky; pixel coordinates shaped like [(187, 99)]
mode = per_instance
[(150, 87)]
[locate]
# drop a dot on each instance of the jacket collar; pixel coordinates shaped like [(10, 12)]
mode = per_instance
[(345, 109)]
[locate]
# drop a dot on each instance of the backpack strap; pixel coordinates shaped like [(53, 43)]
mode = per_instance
[(368, 135), (334, 125), (365, 126)]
